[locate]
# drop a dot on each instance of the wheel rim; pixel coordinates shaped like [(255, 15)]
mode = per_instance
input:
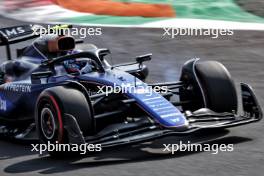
[(48, 126)]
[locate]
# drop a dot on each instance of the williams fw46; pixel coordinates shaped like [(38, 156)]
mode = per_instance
[(53, 92)]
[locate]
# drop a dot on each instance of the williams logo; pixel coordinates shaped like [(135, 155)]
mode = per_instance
[(13, 31)]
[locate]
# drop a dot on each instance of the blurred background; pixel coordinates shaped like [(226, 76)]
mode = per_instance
[(132, 12)]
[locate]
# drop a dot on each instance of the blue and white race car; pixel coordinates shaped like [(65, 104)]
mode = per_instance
[(55, 93)]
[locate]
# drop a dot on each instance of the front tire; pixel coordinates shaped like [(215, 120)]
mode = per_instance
[(217, 85), (52, 105), (208, 85)]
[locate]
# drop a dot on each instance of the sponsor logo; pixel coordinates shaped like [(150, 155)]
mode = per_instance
[(2, 105), (13, 31), (17, 88)]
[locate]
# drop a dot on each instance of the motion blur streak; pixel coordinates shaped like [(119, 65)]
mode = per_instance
[(110, 7)]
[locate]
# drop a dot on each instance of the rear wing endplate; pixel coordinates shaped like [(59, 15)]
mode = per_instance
[(16, 34)]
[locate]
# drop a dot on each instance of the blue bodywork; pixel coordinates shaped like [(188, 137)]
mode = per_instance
[(19, 97), (159, 108)]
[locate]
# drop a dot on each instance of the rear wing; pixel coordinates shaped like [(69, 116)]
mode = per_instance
[(16, 34), (11, 35)]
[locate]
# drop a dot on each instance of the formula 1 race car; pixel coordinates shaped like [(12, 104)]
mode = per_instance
[(56, 93)]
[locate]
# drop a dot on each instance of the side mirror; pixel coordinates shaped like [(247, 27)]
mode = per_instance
[(102, 52), (144, 58)]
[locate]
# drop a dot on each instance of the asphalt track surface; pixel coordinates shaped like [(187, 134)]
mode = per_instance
[(242, 54), (255, 6)]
